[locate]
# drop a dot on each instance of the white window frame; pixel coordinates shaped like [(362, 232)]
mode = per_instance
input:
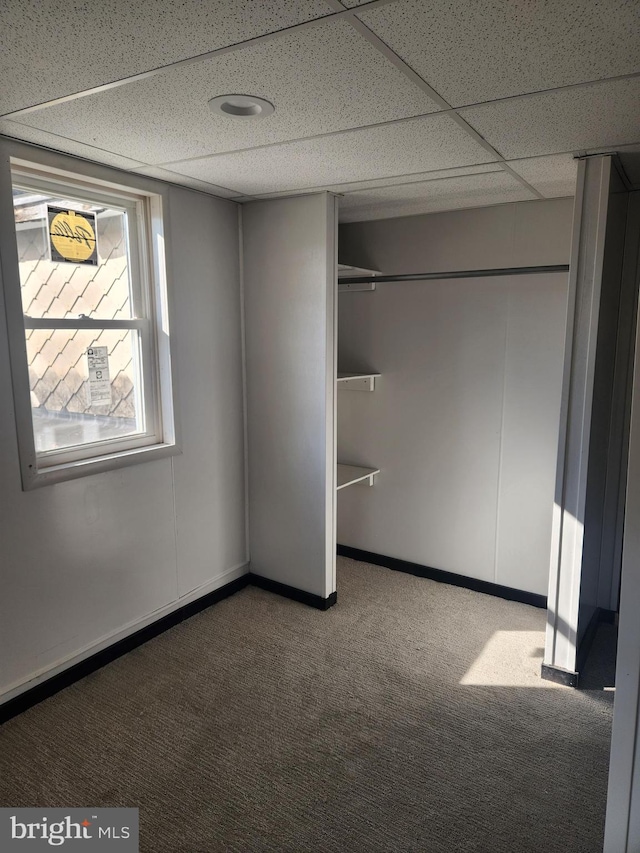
[(147, 213)]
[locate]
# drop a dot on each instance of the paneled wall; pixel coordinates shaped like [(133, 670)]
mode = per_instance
[(87, 561), (464, 419)]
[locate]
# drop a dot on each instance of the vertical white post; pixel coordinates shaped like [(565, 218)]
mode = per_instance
[(585, 279), (290, 295)]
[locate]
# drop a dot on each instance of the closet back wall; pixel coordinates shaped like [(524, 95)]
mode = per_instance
[(464, 419)]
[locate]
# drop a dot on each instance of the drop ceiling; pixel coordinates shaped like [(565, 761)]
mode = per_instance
[(400, 106)]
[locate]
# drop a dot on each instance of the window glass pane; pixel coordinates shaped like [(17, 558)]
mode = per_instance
[(73, 404), (57, 288)]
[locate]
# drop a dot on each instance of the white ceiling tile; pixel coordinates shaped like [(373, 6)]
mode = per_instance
[(49, 49), (432, 196), (415, 145), (185, 181), (553, 176), (604, 114), (488, 49), (56, 143), (401, 179), (311, 77)]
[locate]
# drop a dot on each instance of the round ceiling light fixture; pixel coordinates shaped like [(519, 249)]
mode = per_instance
[(241, 106)]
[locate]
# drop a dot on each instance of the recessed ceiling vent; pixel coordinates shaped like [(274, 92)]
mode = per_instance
[(241, 106)]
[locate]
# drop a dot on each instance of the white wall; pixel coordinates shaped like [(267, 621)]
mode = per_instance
[(89, 560), (209, 475), (622, 829), (464, 419), (520, 234), (289, 295)]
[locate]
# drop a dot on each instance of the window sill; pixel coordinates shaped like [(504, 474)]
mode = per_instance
[(98, 465)]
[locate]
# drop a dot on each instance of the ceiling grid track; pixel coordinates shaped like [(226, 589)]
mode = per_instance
[(326, 135), (177, 171), (138, 169), (453, 112), (423, 179), (523, 96), (375, 40), (373, 183), (192, 60)]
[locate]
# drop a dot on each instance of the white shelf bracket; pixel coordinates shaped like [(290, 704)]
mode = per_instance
[(355, 288), (357, 383)]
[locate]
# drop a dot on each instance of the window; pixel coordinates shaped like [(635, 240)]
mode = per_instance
[(93, 306)]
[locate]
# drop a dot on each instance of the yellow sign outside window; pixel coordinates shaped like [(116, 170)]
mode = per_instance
[(72, 236)]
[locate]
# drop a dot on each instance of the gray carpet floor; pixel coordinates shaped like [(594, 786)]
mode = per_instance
[(410, 717)]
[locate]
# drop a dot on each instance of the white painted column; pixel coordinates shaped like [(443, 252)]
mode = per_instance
[(290, 265), (585, 280)]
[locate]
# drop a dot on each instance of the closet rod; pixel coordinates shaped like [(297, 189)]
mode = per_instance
[(430, 276)]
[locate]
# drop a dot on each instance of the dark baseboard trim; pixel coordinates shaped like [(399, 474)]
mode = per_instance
[(96, 661), (444, 577), (566, 676), (599, 616), (91, 664), (608, 616), (293, 593), (559, 675), (58, 682)]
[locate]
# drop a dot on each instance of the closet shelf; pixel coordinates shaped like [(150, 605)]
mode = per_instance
[(350, 474), (345, 270), (357, 381)]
